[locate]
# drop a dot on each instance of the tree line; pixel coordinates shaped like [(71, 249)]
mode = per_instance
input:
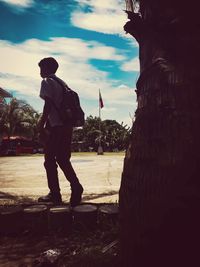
[(18, 118)]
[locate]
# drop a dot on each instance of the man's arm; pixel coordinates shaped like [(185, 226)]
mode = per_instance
[(45, 114)]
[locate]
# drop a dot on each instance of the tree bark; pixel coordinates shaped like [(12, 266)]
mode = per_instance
[(160, 187)]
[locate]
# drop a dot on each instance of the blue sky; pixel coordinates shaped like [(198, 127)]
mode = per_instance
[(87, 39)]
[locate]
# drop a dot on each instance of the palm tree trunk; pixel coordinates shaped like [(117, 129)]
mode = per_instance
[(160, 187)]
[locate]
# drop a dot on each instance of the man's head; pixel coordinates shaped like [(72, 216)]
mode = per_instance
[(48, 66)]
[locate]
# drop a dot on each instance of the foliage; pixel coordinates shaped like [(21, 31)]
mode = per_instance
[(109, 133), (115, 135)]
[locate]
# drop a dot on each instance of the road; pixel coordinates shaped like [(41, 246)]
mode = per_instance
[(23, 177)]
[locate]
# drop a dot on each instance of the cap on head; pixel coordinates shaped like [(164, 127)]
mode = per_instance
[(49, 65)]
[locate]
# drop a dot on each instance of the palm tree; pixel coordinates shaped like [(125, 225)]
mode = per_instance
[(18, 118), (160, 188), (115, 135), (31, 118)]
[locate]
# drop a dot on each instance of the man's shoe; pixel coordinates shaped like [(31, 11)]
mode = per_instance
[(76, 195), (55, 198)]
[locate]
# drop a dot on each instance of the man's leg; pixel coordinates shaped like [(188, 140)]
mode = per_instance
[(52, 173), (63, 159), (51, 168)]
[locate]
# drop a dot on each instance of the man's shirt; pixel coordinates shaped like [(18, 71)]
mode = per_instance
[(53, 91)]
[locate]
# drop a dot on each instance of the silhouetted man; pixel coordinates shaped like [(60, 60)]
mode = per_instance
[(57, 146)]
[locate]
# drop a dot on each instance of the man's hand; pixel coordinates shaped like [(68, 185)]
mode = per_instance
[(44, 133), (40, 125), (45, 114)]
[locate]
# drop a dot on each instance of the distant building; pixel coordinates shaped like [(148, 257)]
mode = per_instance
[(4, 94)]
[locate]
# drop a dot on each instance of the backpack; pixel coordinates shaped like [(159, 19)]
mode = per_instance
[(70, 110)]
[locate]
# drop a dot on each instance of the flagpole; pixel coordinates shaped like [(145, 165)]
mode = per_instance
[(99, 108), (100, 149), (99, 120)]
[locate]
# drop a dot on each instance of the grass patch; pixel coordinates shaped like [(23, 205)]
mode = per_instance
[(87, 249)]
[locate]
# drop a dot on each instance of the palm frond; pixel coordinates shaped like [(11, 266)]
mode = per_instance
[(132, 6)]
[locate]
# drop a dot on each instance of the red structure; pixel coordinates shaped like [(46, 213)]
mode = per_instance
[(16, 145)]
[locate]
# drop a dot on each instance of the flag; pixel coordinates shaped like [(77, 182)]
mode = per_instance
[(101, 105)]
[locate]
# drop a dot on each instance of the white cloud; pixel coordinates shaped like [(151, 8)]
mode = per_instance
[(106, 16), (102, 4), (131, 65), (99, 22), (19, 3), (73, 54), (20, 73)]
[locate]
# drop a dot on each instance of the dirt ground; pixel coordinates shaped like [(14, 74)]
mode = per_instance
[(23, 180), (25, 177)]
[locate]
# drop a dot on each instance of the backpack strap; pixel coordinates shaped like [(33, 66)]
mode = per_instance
[(64, 86), (64, 92)]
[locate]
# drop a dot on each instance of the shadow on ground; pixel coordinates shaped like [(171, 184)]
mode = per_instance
[(97, 196), (8, 199)]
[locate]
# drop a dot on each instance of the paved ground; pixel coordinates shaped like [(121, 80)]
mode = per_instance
[(24, 177)]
